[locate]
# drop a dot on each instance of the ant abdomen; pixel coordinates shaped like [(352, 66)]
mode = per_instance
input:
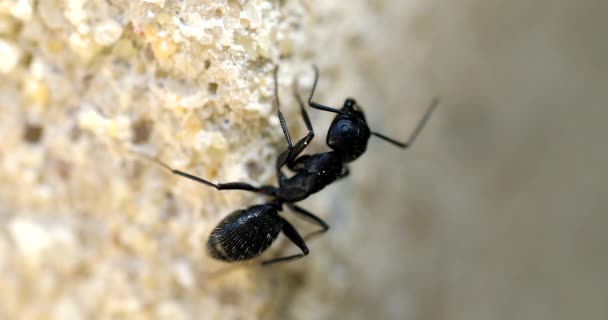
[(245, 234)]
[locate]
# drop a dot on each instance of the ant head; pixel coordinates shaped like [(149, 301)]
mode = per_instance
[(351, 106), (348, 133)]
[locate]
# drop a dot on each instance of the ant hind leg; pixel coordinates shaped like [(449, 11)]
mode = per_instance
[(293, 235), (310, 217)]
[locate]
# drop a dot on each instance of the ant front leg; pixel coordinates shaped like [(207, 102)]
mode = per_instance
[(292, 151), (304, 142)]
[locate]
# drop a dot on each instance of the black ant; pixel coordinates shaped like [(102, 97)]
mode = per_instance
[(247, 233)]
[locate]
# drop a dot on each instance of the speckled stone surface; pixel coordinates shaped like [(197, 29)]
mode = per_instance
[(88, 229), (498, 212)]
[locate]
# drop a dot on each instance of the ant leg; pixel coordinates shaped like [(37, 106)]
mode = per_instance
[(279, 113), (267, 190), (316, 105), (345, 173), (293, 235), (296, 94), (310, 217), (292, 151), (304, 142), (417, 129)]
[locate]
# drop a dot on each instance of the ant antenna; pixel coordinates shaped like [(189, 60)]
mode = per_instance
[(312, 92), (414, 134)]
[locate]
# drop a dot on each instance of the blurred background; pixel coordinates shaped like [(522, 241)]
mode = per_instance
[(497, 212)]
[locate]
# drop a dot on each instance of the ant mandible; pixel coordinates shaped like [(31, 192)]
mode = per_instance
[(247, 233)]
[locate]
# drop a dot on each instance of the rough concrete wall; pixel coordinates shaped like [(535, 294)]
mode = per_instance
[(497, 213)]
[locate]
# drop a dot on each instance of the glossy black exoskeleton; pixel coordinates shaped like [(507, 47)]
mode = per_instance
[(247, 233), (349, 133)]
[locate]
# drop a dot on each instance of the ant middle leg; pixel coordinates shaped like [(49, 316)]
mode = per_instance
[(292, 151), (303, 143), (292, 234), (266, 190), (278, 104)]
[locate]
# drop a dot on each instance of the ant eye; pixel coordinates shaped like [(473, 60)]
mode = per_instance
[(350, 103), (344, 128)]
